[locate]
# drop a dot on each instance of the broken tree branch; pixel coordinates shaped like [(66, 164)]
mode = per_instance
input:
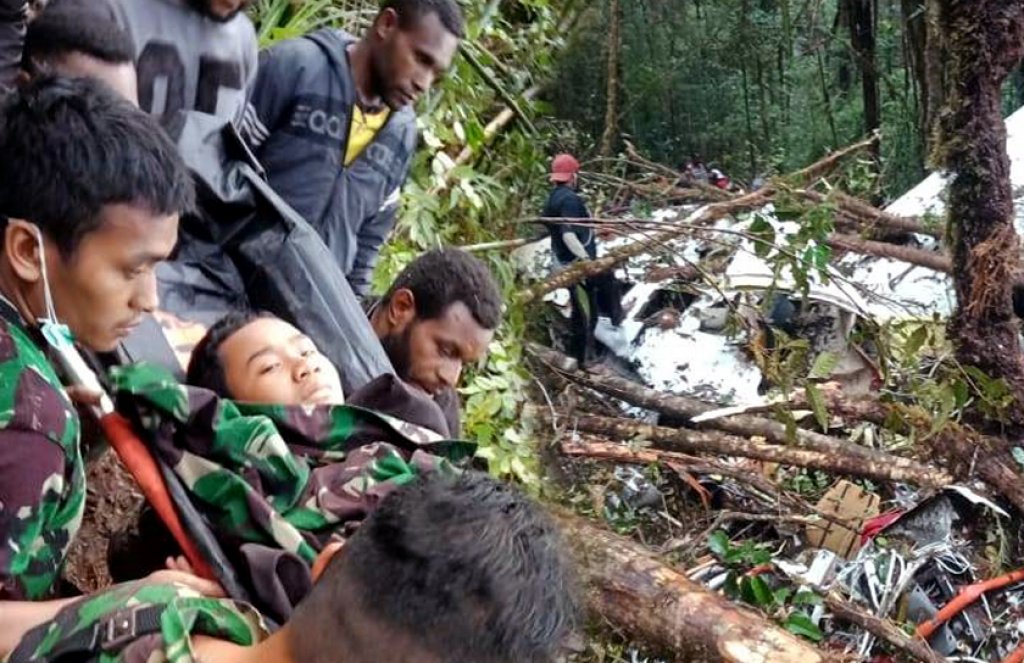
[(881, 628), (870, 216), (627, 586), (579, 271), (744, 425), (466, 49), (620, 453), (714, 442), (930, 259), (826, 165)]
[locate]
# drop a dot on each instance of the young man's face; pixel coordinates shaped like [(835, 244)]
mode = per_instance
[(430, 354), (102, 290), (407, 63), (270, 361)]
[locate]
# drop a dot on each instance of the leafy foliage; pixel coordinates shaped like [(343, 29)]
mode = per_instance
[(745, 582)]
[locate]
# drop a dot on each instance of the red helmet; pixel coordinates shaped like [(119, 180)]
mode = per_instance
[(563, 167)]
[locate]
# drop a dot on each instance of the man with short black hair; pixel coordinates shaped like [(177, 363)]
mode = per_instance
[(331, 119), (90, 193), (439, 315), (70, 41), (447, 570)]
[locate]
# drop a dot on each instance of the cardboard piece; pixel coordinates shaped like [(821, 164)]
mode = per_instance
[(851, 503)]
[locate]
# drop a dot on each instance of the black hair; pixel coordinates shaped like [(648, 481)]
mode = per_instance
[(462, 568), (71, 147), (411, 11), (204, 366), (69, 28), (442, 277)]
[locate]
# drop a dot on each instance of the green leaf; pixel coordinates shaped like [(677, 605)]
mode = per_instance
[(817, 403), (823, 366), (800, 624), (756, 591), (807, 597), (781, 595), (718, 543), (916, 342)]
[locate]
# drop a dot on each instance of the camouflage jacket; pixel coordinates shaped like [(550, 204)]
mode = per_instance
[(284, 478), (180, 613), (42, 475)]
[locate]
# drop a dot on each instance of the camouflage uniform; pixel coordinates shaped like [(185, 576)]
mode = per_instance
[(279, 478), (182, 614), (42, 476)]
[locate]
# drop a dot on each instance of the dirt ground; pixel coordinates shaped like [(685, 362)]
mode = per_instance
[(112, 505)]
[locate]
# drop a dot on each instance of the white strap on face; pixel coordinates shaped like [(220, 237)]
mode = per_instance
[(51, 311)]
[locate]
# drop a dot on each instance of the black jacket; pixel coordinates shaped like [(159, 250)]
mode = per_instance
[(565, 203)]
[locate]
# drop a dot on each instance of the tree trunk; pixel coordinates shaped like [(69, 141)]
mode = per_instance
[(862, 39), (628, 587), (985, 41), (611, 114), (915, 42), (935, 74)]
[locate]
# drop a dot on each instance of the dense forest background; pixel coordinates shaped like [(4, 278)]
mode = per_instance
[(759, 86)]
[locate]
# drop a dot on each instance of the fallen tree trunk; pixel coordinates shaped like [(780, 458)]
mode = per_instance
[(964, 451), (743, 425), (693, 441), (628, 587)]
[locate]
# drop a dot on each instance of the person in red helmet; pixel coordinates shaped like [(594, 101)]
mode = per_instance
[(571, 242)]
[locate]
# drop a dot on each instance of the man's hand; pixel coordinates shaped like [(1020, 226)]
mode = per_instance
[(179, 572)]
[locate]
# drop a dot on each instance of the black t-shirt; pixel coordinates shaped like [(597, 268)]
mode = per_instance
[(566, 204)]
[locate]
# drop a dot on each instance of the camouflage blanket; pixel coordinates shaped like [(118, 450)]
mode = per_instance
[(284, 478)]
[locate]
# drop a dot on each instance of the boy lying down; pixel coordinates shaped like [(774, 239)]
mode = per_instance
[(447, 570), (278, 479)]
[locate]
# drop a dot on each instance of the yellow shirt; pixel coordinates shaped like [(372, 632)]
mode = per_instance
[(361, 130)]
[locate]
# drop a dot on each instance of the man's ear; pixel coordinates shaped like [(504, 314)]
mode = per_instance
[(325, 556), (23, 78), (21, 249), (386, 23), (401, 309)]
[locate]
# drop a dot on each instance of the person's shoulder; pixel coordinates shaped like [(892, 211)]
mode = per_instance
[(243, 28), (31, 398)]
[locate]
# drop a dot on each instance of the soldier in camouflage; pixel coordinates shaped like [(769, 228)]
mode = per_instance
[(90, 192), (447, 570)]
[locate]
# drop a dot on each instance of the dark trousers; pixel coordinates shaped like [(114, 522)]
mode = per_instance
[(598, 295)]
